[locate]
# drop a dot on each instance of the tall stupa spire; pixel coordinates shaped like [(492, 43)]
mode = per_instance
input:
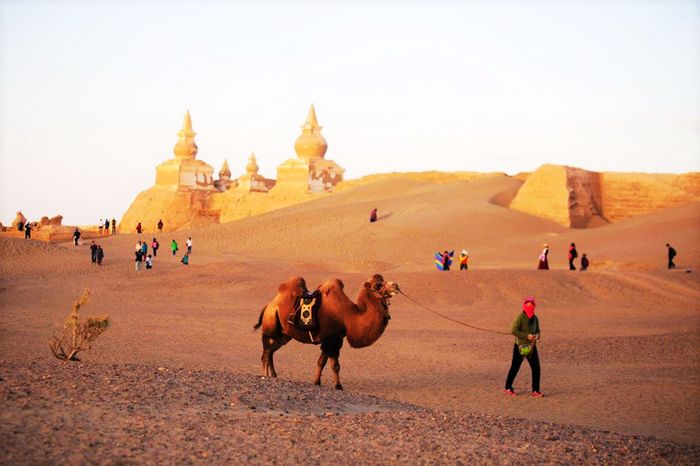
[(186, 147), (311, 120), (187, 124), (310, 144)]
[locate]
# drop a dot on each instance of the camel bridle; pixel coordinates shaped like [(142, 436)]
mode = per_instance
[(385, 296)]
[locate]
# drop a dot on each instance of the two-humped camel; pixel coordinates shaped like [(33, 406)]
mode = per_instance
[(338, 317)]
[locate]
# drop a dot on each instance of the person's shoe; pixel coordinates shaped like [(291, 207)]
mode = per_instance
[(509, 391), (537, 394)]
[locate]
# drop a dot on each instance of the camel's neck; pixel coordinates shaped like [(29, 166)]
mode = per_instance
[(364, 326)]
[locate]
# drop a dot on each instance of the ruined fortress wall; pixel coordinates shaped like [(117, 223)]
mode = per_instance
[(629, 194), (579, 198), (545, 194), (585, 200)]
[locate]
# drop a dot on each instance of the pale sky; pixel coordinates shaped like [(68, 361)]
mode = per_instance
[(92, 93)]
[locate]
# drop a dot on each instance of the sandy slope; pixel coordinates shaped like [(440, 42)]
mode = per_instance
[(619, 342)]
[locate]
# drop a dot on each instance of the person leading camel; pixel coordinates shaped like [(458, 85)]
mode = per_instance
[(338, 318), (526, 330)]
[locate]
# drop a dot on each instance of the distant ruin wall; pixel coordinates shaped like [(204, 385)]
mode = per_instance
[(545, 194), (579, 198), (629, 194)]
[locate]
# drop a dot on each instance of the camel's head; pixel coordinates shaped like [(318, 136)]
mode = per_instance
[(381, 289)]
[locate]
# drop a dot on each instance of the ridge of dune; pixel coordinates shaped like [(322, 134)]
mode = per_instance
[(434, 177), (417, 219)]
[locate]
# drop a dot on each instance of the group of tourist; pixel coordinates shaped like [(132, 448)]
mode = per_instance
[(96, 253), (159, 226), (446, 260), (141, 252), (104, 226), (572, 255), (26, 227)]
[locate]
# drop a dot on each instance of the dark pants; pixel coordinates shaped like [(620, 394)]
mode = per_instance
[(189, 249), (94, 257), (155, 252), (463, 267), (671, 265), (533, 360), (571, 264)]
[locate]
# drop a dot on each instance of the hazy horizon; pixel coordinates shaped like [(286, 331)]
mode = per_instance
[(92, 95)]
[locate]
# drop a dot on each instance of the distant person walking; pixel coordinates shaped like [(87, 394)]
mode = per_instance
[(160, 226), (526, 329), (28, 231), (144, 249), (114, 226), (671, 255), (584, 263), (93, 252), (185, 259), (154, 246), (101, 226), (189, 245), (445, 256), (106, 226), (464, 260), (544, 259), (76, 237), (139, 228), (573, 254), (373, 215), (138, 259), (149, 262), (138, 246), (173, 247), (100, 254)]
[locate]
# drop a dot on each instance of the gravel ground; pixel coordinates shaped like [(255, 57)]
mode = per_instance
[(76, 413)]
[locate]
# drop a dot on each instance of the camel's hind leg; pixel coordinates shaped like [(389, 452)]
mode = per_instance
[(270, 345), (330, 349), (272, 341)]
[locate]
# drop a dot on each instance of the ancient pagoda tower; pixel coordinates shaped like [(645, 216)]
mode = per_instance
[(309, 171), (251, 181), (185, 171), (182, 193), (224, 182)]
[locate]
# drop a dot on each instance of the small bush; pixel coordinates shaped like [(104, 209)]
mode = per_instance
[(77, 336)]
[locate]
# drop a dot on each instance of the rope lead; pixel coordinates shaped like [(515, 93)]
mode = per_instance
[(451, 319)]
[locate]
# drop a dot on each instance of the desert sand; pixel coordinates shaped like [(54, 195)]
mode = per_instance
[(176, 377)]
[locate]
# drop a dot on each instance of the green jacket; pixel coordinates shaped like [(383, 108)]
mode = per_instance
[(521, 328)]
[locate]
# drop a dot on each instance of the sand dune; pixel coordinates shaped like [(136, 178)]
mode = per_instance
[(619, 342)]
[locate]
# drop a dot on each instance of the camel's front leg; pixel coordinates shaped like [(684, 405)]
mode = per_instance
[(322, 360), (331, 347), (336, 372)]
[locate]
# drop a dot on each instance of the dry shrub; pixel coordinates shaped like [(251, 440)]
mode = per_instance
[(77, 336)]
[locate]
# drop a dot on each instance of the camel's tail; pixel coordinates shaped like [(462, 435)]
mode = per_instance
[(257, 326)]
